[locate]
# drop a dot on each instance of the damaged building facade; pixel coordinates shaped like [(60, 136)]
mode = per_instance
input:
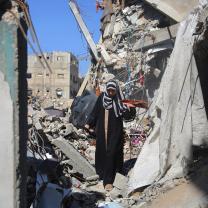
[(157, 51), (63, 81)]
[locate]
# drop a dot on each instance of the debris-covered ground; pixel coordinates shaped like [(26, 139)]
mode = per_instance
[(62, 156), (61, 151)]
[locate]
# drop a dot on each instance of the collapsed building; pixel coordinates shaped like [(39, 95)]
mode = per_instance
[(158, 59), (155, 58)]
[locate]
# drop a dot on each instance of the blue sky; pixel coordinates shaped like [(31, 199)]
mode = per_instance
[(57, 29)]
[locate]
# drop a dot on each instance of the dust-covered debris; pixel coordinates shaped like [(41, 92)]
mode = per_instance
[(139, 68)]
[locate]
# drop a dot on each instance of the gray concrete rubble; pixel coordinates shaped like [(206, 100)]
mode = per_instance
[(64, 138), (169, 155), (127, 34), (62, 148), (78, 163), (157, 59), (120, 181), (176, 10), (154, 59)]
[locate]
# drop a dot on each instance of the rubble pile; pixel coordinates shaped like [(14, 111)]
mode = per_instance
[(50, 127), (122, 47), (63, 155), (125, 57), (47, 101)]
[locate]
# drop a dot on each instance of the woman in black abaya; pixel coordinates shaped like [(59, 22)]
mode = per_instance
[(106, 117)]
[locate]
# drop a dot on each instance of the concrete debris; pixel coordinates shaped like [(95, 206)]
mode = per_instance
[(92, 178), (120, 181), (107, 76), (177, 10), (78, 163), (60, 133), (125, 33), (171, 159), (70, 153), (109, 205), (137, 49), (157, 37), (104, 55)]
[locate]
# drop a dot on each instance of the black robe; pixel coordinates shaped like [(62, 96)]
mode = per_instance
[(108, 160)]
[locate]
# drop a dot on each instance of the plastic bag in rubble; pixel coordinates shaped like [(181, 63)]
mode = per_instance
[(81, 108), (49, 195)]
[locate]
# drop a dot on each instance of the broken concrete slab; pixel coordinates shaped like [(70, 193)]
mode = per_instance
[(133, 18), (79, 163), (69, 129), (84, 29), (107, 31), (106, 77), (109, 27), (157, 37), (97, 188), (92, 178), (116, 193), (104, 54), (37, 123), (120, 181), (127, 11), (156, 72), (176, 9)]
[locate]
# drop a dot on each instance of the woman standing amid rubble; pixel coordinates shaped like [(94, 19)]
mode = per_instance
[(106, 118)]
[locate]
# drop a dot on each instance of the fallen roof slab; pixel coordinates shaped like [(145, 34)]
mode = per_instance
[(79, 163), (158, 36), (177, 9)]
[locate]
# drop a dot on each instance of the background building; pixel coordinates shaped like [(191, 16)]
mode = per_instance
[(64, 80)]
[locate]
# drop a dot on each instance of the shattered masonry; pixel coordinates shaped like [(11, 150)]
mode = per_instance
[(140, 48), (156, 58)]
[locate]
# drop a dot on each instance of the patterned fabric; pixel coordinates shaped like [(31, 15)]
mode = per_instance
[(114, 102)]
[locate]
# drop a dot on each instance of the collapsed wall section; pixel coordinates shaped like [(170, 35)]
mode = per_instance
[(182, 122), (137, 41)]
